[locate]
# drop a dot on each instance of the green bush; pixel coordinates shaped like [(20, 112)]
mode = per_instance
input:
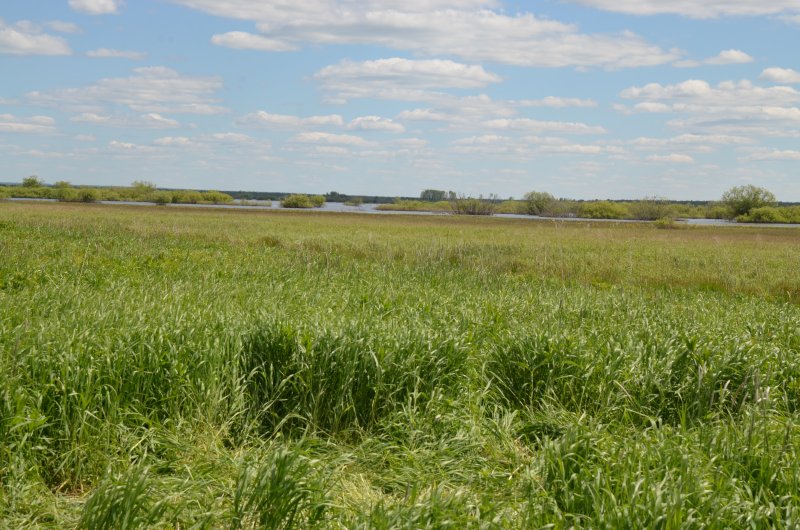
[(650, 209), (355, 201), (473, 207), (32, 182), (539, 203), (741, 199), (603, 210), (317, 200), (216, 197), (160, 197), (764, 214), (88, 195), (297, 201)]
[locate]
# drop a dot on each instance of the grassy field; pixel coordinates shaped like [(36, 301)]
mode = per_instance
[(178, 368)]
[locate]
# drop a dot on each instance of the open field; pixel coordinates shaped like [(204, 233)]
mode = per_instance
[(185, 368)]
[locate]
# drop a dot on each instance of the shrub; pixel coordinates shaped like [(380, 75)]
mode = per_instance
[(317, 200), (650, 208), (355, 201), (764, 214), (32, 182), (538, 202), (87, 195), (739, 200), (217, 197), (65, 194), (297, 201), (160, 197), (603, 210), (469, 206)]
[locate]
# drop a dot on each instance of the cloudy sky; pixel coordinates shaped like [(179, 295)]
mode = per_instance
[(582, 98)]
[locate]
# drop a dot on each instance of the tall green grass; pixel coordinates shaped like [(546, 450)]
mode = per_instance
[(277, 370)]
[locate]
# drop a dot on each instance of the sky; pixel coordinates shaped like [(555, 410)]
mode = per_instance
[(585, 99)]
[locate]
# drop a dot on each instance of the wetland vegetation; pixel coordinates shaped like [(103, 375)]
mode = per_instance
[(186, 368)]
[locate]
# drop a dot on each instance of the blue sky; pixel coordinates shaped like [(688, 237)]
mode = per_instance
[(582, 98)]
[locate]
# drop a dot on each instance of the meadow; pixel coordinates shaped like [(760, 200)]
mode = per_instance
[(184, 368)]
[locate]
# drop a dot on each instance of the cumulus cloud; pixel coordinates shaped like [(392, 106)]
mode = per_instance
[(722, 58), (241, 40), (785, 76), (537, 126), (151, 120), (397, 78), (730, 106), (673, 158), (473, 30), (26, 38), (96, 7), (63, 27), (34, 124), (775, 154), (328, 138), (106, 53), (693, 8), (154, 89), (375, 123), (558, 102), (287, 121)]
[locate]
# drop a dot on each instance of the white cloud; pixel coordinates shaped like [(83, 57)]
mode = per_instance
[(286, 121), (233, 138), (785, 76), (673, 158), (558, 102), (375, 123), (397, 78), (151, 120), (33, 124), (96, 7), (175, 141), (775, 154), (130, 148), (327, 138), (728, 107), (241, 40), (694, 8), (63, 27), (25, 38), (470, 30), (537, 126), (153, 89), (722, 58), (412, 143), (423, 115), (106, 53)]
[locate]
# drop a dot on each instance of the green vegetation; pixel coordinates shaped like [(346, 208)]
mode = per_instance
[(182, 368), (741, 199), (139, 191), (303, 201)]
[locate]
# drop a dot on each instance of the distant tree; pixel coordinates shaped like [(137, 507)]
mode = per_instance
[(317, 200), (538, 202), (32, 182), (739, 200), (433, 195), (62, 184)]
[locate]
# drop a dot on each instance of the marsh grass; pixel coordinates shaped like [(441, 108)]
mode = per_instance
[(173, 368)]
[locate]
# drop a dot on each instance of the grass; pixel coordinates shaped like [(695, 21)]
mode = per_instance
[(182, 368)]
